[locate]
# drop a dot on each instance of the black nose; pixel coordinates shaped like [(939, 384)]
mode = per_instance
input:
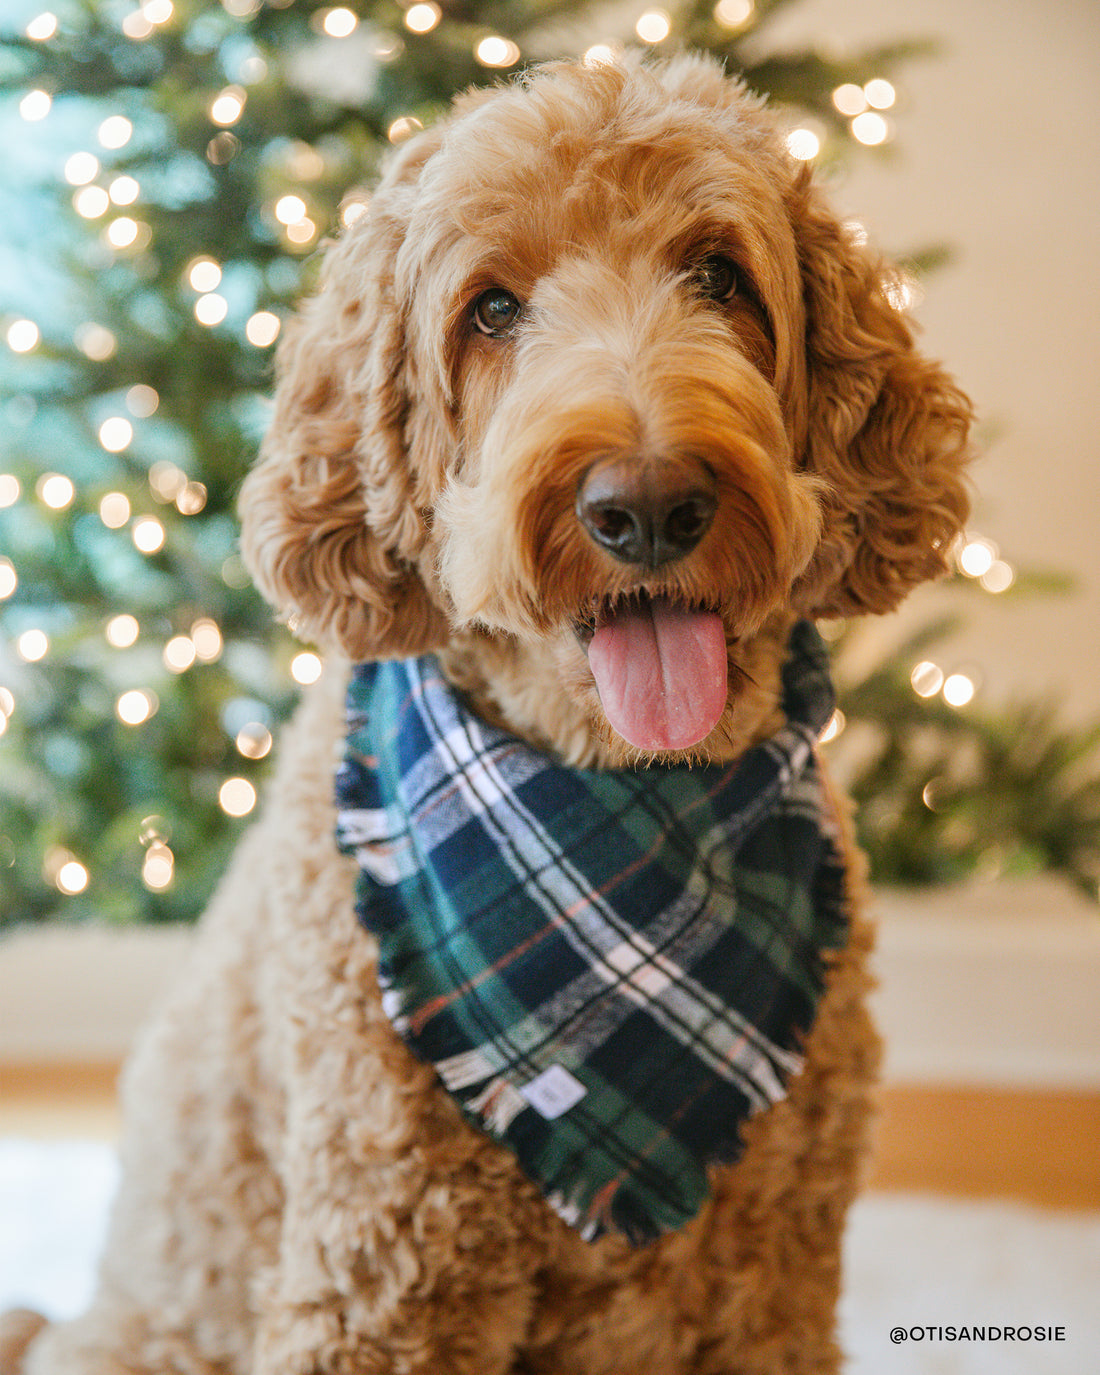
[(647, 513)]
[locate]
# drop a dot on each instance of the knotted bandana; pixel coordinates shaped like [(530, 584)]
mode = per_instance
[(609, 970)]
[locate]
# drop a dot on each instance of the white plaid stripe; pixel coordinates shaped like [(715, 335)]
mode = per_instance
[(727, 1043)]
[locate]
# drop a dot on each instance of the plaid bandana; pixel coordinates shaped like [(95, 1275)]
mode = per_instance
[(610, 970)]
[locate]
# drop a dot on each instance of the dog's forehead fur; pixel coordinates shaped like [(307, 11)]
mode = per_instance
[(625, 173), (608, 159)]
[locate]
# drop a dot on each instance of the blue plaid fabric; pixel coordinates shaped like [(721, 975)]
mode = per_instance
[(610, 970)]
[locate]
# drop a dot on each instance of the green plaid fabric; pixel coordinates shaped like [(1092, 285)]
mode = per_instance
[(610, 970)]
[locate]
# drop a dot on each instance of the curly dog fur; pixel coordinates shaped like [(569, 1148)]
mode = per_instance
[(299, 1196)]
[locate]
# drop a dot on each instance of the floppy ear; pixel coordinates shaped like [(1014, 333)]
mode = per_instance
[(331, 531), (886, 430)]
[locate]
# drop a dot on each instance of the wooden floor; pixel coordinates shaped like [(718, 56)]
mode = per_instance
[(1034, 1146), (1037, 1146)]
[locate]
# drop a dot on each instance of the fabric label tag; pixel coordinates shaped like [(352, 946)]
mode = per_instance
[(553, 1092)]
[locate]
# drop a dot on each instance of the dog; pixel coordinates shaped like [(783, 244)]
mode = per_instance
[(597, 408)]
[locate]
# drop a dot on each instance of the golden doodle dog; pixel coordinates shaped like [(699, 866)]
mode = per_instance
[(595, 411)]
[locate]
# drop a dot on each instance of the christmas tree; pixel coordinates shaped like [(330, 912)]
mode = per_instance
[(175, 167)]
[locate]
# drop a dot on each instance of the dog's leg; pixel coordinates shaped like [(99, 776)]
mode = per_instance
[(785, 1204), (409, 1243)]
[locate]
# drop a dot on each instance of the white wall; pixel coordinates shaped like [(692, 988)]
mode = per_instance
[(997, 151), (995, 984)]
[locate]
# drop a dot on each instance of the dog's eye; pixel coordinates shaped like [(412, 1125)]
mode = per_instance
[(496, 311), (716, 277)]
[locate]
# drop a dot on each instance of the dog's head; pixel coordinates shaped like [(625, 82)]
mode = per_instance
[(599, 375)]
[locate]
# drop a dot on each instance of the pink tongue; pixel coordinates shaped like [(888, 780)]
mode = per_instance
[(661, 674)]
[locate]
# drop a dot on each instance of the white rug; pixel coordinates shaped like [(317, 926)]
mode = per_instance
[(922, 1264)]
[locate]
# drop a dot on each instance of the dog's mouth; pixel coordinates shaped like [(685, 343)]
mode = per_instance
[(660, 667)]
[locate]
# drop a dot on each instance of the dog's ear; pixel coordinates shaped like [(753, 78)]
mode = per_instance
[(331, 529), (886, 429)]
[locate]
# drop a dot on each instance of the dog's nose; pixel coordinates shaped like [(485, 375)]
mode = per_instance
[(647, 512)]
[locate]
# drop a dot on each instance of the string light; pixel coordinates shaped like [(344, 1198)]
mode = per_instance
[(880, 94), (158, 11), (135, 234), (223, 148), (303, 162), (254, 740), (211, 309), (870, 128), (179, 653), (932, 794), (233, 572), (228, 105), (191, 499), (154, 830), (422, 18), (124, 190), (157, 867), (998, 577), (926, 679), (42, 27), (732, 14), (55, 490), (142, 401), (32, 646), (135, 707), (123, 232), (116, 434), (23, 336), (290, 209), (958, 689), (207, 639), (262, 329), (977, 556), (833, 726), (253, 70), (654, 26), (35, 105), (803, 144), (386, 47), (91, 202), (339, 23), (10, 489), (236, 797), (114, 510), (9, 580), (95, 342), (72, 878), (115, 132), (203, 274), (495, 51), (81, 168), (166, 480), (137, 26), (301, 232), (849, 99), (353, 210), (599, 53), (902, 291), (148, 535), (306, 668), (403, 127), (122, 631), (856, 232)]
